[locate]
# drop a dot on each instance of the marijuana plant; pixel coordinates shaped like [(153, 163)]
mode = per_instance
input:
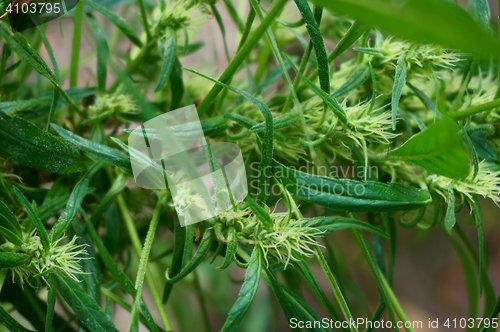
[(393, 127)]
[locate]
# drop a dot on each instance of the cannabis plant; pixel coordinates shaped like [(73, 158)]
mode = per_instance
[(392, 127)]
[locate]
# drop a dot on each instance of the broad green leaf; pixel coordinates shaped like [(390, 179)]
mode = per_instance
[(247, 292), (331, 224), (84, 307), (95, 149), (74, 203), (10, 322), (102, 52), (198, 257), (167, 47), (44, 238), (350, 195), (12, 259), (435, 149), (397, 90), (116, 20), (33, 147), (318, 43), (358, 77), (8, 220), (433, 21)]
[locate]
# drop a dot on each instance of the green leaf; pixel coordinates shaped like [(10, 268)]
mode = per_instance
[(356, 30), (232, 245), (117, 21), (247, 292), (302, 310), (102, 52), (358, 77), (84, 307), (33, 147), (10, 236), (12, 259), (267, 146), (178, 259), (167, 47), (118, 274), (432, 21), (74, 203), (305, 270), (9, 221), (176, 85), (44, 238), (331, 224), (449, 218), (51, 302), (278, 290), (318, 43), (198, 257), (10, 322), (397, 90), (96, 150), (481, 12), (435, 149), (280, 122), (332, 103), (483, 148), (350, 195), (260, 212)]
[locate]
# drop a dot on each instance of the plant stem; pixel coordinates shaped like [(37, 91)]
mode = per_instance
[(201, 301), (144, 18), (136, 243), (241, 55), (335, 287), (143, 263), (75, 50), (387, 293), (476, 109)]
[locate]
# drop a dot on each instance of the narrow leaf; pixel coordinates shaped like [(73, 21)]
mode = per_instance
[(247, 292), (167, 47), (397, 90), (33, 147), (12, 259), (85, 308)]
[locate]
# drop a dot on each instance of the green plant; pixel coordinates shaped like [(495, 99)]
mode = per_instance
[(406, 122)]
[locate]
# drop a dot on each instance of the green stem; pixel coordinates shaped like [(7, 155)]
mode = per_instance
[(335, 287), (75, 50), (241, 56), (397, 307), (144, 18), (136, 243), (476, 109), (143, 263), (202, 302)]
